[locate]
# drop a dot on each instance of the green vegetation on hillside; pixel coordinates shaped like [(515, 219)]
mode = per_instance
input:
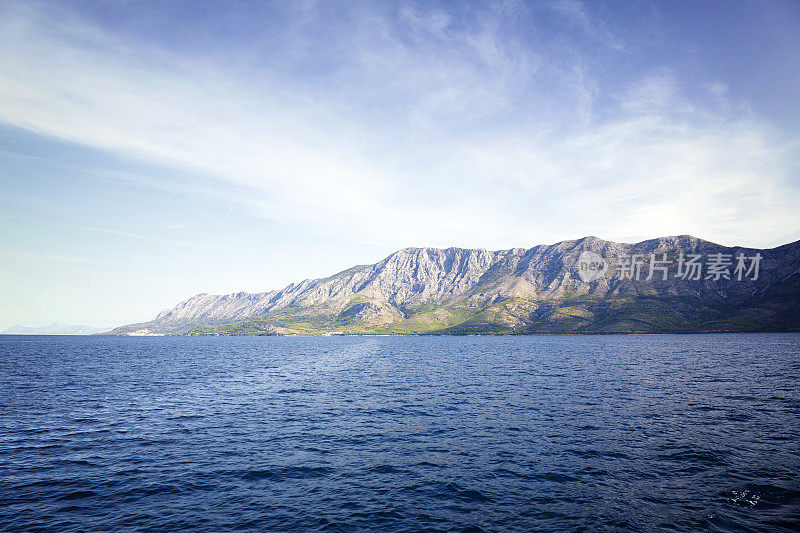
[(565, 315)]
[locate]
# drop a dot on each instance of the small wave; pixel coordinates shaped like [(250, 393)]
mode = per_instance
[(554, 477), (505, 472), (599, 453), (72, 509), (427, 464), (73, 462), (380, 515), (287, 472), (256, 475), (449, 491), (77, 495), (384, 469), (689, 455), (185, 417)]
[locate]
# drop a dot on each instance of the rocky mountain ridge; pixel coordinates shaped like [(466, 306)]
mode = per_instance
[(457, 290)]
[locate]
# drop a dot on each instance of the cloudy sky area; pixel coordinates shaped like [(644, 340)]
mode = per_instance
[(153, 150)]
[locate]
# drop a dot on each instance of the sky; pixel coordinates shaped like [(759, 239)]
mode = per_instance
[(150, 151)]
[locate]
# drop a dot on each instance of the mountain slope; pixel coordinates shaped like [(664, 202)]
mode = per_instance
[(536, 290)]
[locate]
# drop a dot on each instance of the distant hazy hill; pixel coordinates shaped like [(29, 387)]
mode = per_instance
[(536, 290), (52, 329)]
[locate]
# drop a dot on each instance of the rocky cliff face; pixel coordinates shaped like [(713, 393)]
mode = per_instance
[(456, 290)]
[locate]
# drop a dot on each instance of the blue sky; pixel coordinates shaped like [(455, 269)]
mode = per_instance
[(153, 150)]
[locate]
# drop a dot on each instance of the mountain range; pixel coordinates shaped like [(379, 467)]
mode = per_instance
[(52, 329), (518, 291)]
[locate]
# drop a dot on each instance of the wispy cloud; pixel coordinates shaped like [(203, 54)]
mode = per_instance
[(428, 127), (575, 12), (158, 240), (46, 257)]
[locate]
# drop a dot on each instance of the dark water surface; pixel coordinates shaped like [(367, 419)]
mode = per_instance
[(592, 433)]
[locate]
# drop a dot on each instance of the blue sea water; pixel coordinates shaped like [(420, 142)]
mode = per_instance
[(549, 433)]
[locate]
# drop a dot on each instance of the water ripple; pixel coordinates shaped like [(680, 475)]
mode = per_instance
[(605, 433)]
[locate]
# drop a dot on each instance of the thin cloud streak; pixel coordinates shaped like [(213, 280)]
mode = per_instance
[(54, 258), (158, 240)]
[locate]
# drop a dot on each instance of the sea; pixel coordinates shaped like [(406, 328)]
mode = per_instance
[(429, 433)]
